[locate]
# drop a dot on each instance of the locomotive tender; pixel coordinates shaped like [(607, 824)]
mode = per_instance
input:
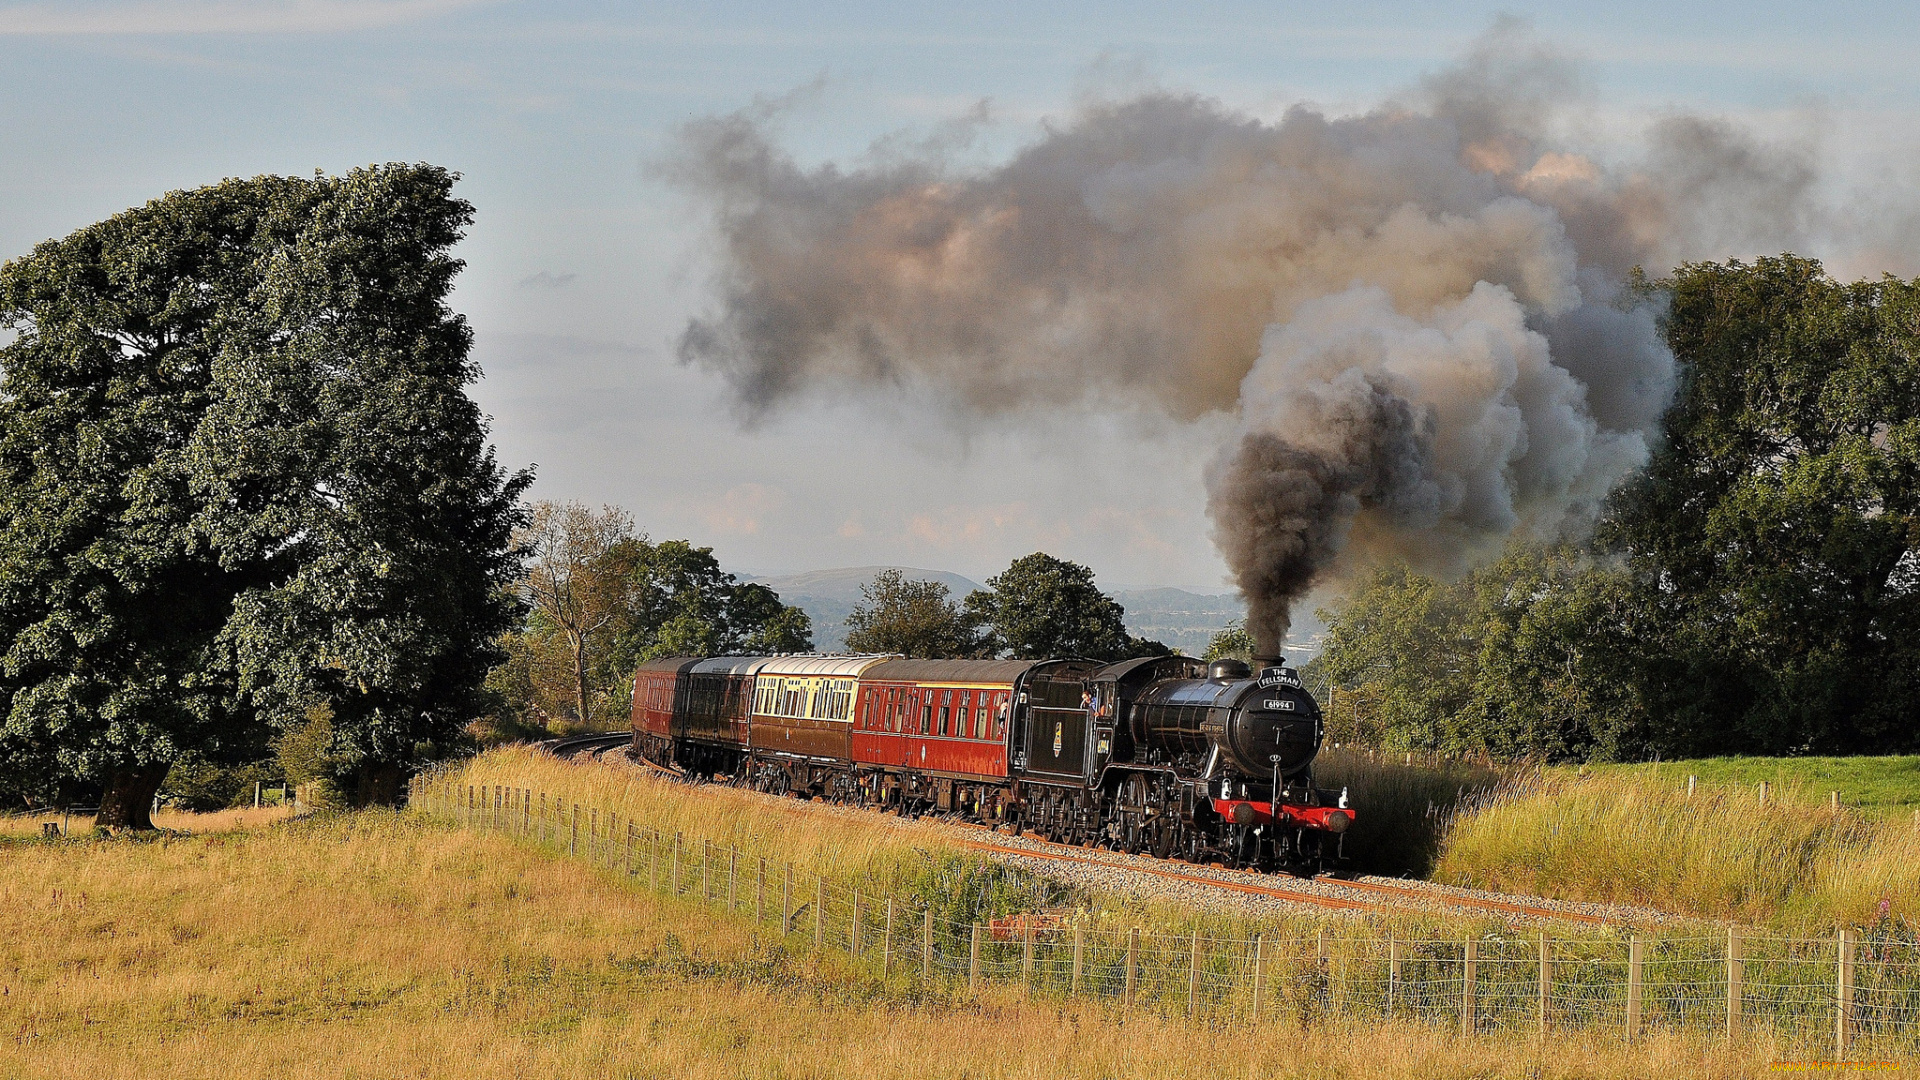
[(1165, 755)]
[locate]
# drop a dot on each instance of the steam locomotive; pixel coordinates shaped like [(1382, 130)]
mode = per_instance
[(1163, 755)]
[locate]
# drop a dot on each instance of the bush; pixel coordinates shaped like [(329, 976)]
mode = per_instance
[(201, 786)]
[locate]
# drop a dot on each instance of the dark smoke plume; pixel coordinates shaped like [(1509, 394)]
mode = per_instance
[(1416, 315)]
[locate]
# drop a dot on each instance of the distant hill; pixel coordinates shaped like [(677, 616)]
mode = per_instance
[(828, 596), (1184, 620)]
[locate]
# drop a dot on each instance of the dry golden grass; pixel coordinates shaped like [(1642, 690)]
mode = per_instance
[(173, 820), (379, 945), (1718, 853), (847, 844)]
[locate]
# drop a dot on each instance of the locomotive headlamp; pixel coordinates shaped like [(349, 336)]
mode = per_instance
[(1243, 813), (1338, 821)]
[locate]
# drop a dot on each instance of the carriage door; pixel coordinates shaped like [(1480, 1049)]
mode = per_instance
[(902, 745)]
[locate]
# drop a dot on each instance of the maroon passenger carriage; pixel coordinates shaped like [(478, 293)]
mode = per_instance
[(1163, 754)]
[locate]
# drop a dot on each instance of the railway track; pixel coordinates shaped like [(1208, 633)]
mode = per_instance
[(1409, 897), (1326, 891), (587, 745)]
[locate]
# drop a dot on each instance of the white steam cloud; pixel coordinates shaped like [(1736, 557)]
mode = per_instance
[(1419, 315)]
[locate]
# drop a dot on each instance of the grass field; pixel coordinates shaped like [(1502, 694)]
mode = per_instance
[(381, 945), (1885, 786)]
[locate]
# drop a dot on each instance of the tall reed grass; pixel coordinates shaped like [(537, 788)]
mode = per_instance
[(1719, 852)]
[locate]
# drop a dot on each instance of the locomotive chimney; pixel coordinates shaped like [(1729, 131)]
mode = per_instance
[(1266, 650)]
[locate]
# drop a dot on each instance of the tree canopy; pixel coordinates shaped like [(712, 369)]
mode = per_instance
[(1042, 607), (918, 619), (241, 477)]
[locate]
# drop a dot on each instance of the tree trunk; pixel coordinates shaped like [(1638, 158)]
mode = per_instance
[(127, 802), (580, 678)]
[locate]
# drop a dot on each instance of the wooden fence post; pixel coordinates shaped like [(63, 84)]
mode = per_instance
[(1635, 968), (886, 946), (1079, 952), (630, 849), (733, 880), (1736, 968), (760, 892), (1468, 956), (706, 874), (1843, 999), (675, 882), (573, 833), (1133, 956), (926, 946), (1546, 982), (786, 903), (973, 962), (1193, 977), (1026, 959), (853, 934), (1393, 971), (653, 859), (1259, 973), (819, 912)]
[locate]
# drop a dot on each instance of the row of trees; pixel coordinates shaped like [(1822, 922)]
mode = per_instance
[(1756, 590), (1039, 606), (601, 598)]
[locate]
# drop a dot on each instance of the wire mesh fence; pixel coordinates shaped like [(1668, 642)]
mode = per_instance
[(1840, 994)]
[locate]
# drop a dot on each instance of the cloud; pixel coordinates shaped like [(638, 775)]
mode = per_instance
[(967, 526), (546, 280), (222, 16), (742, 509)]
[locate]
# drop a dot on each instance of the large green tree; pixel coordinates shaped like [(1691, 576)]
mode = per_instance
[(683, 603), (242, 480), (1042, 607), (913, 618), (1775, 538)]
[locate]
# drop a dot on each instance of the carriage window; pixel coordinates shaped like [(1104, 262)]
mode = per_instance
[(946, 710), (1000, 716), (926, 716), (963, 725), (980, 717)]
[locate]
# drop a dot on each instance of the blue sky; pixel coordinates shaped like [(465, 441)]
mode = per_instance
[(582, 267)]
